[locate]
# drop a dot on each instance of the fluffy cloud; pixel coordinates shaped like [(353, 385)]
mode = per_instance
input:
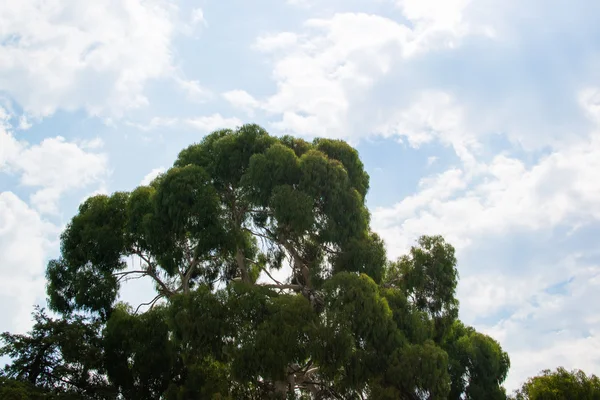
[(500, 196), (242, 100), (154, 123), (72, 54), (548, 329), (213, 122), (25, 242), (197, 17), (332, 74), (151, 175), (327, 73), (319, 72), (204, 124), (52, 167), (193, 89), (482, 202)]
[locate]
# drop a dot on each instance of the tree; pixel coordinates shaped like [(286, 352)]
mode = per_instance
[(58, 359), (560, 385), (214, 234)]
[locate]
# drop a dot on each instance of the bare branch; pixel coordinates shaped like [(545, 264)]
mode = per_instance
[(150, 303), (125, 278), (262, 235), (129, 272), (283, 287), (152, 272), (270, 276)]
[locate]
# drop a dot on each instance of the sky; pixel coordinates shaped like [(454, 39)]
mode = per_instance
[(476, 119)]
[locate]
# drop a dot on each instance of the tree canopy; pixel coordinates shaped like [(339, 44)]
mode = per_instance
[(214, 234), (560, 385)]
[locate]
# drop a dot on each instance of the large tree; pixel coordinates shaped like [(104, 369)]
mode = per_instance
[(215, 234)]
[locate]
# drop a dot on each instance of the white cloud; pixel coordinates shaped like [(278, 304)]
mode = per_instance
[(299, 3), (436, 15), (151, 175), (242, 100), (92, 55), (197, 17), (434, 115), (278, 41), (25, 242), (326, 73), (57, 166), (503, 197), (24, 123), (213, 122), (9, 146), (318, 73), (548, 330), (193, 89), (480, 203), (207, 123), (54, 166), (155, 123)]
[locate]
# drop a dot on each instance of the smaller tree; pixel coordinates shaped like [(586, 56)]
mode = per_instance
[(56, 359), (560, 385)]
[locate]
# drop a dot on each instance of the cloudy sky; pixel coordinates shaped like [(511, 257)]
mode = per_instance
[(476, 119)]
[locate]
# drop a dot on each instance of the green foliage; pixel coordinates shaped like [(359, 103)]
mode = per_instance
[(428, 277), (478, 365), (12, 389), (560, 385), (58, 358), (139, 358), (209, 233)]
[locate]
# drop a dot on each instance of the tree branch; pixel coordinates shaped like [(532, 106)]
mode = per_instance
[(150, 303), (283, 286), (271, 276), (124, 275), (152, 273)]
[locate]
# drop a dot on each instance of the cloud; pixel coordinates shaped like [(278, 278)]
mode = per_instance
[(56, 166), (25, 243), (24, 123), (346, 74), (501, 196), (72, 55), (9, 146), (193, 89), (273, 42), (197, 17), (328, 74), (53, 167), (433, 18), (547, 330), (155, 123), (213, 122), (433, 115), (242, 100), (492, 211), (151, 175), (207, 123)]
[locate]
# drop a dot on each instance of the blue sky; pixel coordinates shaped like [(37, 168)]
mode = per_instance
[(476, 119)]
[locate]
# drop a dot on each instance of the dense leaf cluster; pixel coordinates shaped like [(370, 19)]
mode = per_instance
[(560, 385), (211, 234)]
